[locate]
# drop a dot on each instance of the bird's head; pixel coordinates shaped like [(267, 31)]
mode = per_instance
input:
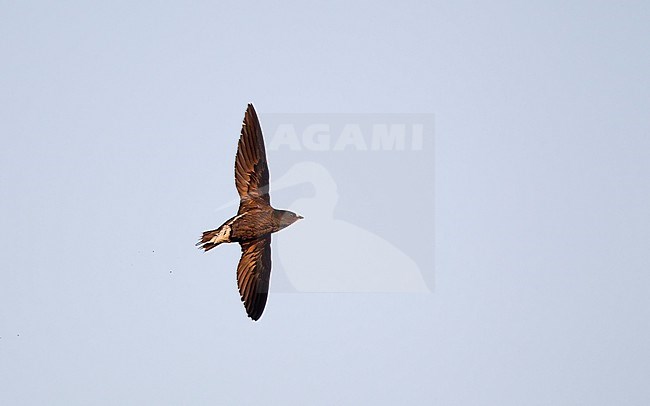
[(287, 218)]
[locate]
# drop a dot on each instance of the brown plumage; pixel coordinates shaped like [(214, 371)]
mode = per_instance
[(255, 219)]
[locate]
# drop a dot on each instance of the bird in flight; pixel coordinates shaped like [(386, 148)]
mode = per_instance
[(255, 219)]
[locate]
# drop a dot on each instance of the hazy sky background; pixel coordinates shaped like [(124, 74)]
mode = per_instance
[(118, 123)]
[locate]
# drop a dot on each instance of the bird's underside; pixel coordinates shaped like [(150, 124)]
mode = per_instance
[(255, 219), (244, 227)]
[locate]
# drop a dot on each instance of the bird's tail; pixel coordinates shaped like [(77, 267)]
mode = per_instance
[(210, 239)]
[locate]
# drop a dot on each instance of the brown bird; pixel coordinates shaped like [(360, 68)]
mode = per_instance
[(255, 219)]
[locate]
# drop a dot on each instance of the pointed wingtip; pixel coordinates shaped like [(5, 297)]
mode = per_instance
[(250, 112)]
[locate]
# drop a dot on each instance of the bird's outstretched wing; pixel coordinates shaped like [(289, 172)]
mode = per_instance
[(253, 275), (251, 170)]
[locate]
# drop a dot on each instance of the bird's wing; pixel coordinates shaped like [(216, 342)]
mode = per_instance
[(251, 170), (253, 275)]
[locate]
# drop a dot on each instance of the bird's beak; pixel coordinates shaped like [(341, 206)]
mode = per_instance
[(300, 217)]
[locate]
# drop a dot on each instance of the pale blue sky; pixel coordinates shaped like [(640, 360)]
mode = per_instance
[(119, 124)]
